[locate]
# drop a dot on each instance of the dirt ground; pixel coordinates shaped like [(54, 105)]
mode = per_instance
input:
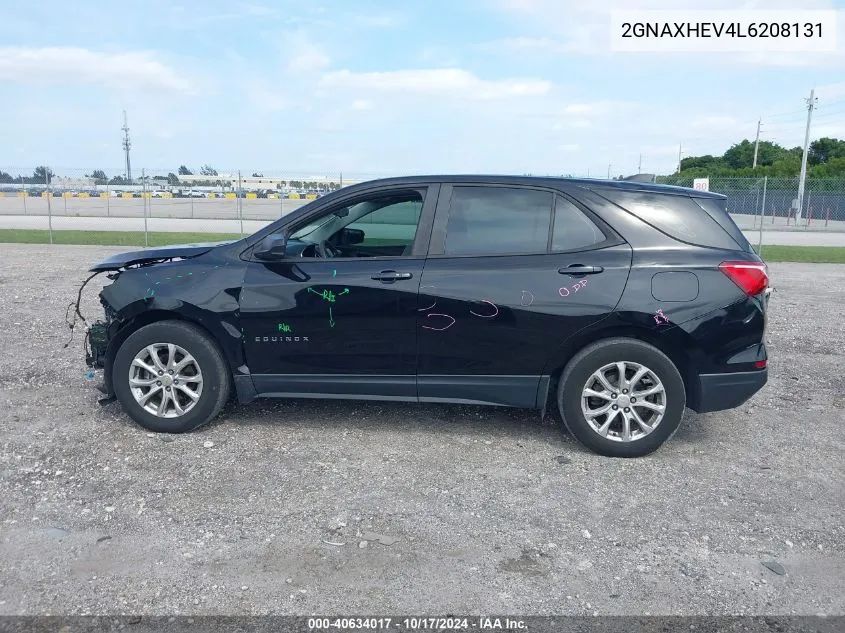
[(301, 507)]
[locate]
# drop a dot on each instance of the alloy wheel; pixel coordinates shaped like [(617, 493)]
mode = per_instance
[(623, 401), (165, 380)]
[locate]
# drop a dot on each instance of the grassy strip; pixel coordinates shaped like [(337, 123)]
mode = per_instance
[(805, 254), (774, 253), (110, 238)]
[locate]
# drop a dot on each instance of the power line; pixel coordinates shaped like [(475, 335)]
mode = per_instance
[(836, 102), (829, 114)]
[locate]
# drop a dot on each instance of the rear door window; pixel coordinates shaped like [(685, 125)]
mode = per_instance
[(498, 221), (678, 216)]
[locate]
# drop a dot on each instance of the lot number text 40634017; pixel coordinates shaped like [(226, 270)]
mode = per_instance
[(417, 624)]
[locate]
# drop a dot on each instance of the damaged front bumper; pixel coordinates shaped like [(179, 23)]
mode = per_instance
[(98, 344), (97, 338)]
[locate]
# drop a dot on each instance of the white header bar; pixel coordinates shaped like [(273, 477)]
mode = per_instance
[(756, 31)]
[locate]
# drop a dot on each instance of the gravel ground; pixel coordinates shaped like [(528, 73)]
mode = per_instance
[(330, 507)]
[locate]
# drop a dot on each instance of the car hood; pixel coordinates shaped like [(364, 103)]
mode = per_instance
[(151, 255)]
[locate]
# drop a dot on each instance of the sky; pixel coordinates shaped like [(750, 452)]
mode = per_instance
[(372, 89)]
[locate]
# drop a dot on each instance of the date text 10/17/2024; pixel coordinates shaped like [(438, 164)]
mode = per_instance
[(418, 624)]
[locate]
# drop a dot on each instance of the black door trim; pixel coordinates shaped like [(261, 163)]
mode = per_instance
[(353, 386), (508, 391)]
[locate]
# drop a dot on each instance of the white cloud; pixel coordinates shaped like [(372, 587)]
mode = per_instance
[(442, 81), (571, 147), (596, 108), (304, 54), (140, 69), (362, 104)]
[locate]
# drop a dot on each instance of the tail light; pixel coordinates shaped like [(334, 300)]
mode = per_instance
[(751, 277)]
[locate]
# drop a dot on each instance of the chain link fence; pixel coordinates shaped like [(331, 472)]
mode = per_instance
[(161, 193), (237, 200), (824, 200)]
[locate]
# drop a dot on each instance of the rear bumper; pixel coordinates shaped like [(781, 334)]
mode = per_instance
[(718, 392)]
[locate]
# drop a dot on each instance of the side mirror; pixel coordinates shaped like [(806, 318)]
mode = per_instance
[(351, 236), (272, 248)]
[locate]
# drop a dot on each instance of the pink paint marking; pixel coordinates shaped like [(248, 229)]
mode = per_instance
[(487, 316), (439, 329), (660, 318), (560, 292)]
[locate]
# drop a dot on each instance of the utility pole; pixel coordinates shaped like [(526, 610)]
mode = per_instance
[(608, 172), (640, 165), (126, 145), (757, 143), (811, 102), (680, 152)]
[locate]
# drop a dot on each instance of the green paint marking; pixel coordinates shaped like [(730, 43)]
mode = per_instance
[(328, 295), (334, 272), (284, 327)]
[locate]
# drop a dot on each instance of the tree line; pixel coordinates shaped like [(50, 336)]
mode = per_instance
[(825, 159)]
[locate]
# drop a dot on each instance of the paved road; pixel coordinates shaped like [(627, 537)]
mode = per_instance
[(798, 237)]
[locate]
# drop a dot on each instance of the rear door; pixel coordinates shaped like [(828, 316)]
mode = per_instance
[(512, 272)]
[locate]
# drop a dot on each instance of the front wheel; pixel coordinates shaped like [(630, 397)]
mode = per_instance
[(170, 377), (621, 397)]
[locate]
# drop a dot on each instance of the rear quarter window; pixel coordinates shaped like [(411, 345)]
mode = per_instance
[(678, 216), (717, 208)]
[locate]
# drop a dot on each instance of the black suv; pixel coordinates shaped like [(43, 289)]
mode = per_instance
[(621, 303)]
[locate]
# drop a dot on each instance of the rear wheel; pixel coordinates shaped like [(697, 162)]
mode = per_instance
[(621, 397), (170, 377)]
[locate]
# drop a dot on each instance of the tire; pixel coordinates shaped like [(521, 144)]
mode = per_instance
[(598, 357), (207, 364)]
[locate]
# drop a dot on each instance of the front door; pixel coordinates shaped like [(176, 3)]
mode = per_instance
[(337, 318), (512, 273)]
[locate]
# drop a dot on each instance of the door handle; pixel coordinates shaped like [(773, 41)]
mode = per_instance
[(389, 276), (580, 269)]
